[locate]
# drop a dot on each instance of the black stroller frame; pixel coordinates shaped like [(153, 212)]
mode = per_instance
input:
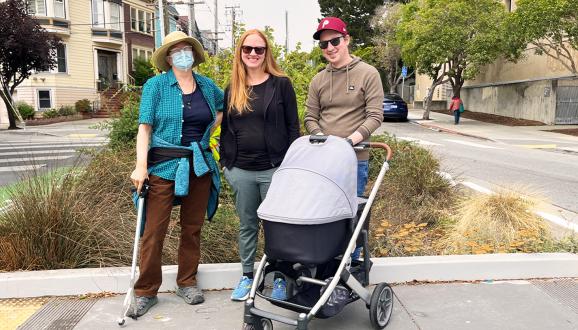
[(379, 303)]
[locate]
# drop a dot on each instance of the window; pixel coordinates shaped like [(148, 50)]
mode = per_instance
[(37, 7), (141, 21), (61, 58), (59, 10), (114, 16), (98, 13), (144, 54), (133, 19), (44, 101)]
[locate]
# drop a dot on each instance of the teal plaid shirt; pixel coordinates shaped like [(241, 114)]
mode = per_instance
[(162, 107)]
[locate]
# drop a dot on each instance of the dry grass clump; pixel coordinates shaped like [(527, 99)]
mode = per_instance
[(498, 223), (84, 217)]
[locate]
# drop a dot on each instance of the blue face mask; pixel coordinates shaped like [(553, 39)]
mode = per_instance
[(183, 60)]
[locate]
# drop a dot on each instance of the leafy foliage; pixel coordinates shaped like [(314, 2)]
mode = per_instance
[(143, 70), (451, 40), (25, 110), (66, 110), (83, 105), (356, 14), (551, 26), (24, 46)]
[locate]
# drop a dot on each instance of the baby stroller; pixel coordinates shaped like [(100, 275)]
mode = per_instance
[(313, 221)]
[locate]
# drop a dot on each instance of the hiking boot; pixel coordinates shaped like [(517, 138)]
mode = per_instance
[(279, 289), (143, 304), (192, 295), (241, 292)]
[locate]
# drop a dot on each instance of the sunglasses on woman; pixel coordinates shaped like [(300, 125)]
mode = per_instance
[(334, 42), (258, 50)]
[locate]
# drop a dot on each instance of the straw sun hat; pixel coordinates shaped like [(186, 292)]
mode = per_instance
[(173, 38)]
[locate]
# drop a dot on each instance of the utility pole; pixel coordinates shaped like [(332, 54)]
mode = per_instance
[(286, 32), (216, 27), (235, 11), (162, 19)]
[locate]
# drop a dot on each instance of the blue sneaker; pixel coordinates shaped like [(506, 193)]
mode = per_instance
[(279, 289), (241, 292), (356, 253)]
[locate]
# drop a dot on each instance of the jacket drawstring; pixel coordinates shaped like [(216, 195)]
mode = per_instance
[(331, 86), (347, 75)]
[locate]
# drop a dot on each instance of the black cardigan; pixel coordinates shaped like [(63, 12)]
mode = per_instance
[(281, 122)]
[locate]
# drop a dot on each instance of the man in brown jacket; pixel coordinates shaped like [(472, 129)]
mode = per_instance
[(346, 98)]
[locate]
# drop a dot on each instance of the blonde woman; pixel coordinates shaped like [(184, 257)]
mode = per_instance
[(259, 123)]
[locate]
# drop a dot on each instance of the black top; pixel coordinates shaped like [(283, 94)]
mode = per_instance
[(196, 117), (251, 147), (279, 127)]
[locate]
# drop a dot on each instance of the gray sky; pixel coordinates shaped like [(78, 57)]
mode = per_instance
[(303, 15)]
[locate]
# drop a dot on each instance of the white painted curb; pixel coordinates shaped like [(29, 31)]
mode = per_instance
[(223, 276)]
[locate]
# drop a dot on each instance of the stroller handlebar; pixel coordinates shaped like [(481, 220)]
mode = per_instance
[(360, 145)]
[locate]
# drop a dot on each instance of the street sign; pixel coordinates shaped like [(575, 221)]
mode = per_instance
[(404, 71)]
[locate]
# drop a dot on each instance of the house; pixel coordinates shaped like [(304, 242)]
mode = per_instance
[(536, 88), (173, 18), (139, 30), (90, 59)]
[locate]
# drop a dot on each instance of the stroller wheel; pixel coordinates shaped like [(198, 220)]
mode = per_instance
[(381, 306), (266, 324)]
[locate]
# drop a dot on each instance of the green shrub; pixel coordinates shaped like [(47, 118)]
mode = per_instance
[(26, 111), (143, 70), (66, 110), (123, 129), (52, 113), (83, 105)]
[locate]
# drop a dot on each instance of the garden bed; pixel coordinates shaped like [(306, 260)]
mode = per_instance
[(46, 121)]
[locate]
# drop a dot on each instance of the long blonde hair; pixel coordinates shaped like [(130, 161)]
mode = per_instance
[(239, 92)]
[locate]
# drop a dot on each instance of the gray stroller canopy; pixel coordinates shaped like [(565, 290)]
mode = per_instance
[(315, 184)]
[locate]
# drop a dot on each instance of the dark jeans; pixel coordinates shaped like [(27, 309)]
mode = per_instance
[(457, 116), (362, 174)]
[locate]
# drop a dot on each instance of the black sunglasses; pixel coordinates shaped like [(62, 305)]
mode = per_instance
[(249, 49), (334, 42)]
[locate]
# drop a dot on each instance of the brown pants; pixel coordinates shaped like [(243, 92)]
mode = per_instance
[(158, 214)]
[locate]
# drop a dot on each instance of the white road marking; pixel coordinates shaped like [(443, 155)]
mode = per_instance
[(47, 146), (477, 187), (33, 152), (21, 168), (472, 144), (418, 141), (33, 159), (557, 220)]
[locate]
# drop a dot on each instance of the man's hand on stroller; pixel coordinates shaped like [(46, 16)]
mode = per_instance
[(355, 138)]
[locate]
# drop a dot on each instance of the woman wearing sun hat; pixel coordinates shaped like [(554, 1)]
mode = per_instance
[(177, 112)]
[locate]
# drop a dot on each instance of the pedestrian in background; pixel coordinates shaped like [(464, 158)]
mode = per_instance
[(260, 121), (178, 109), (456, 108)]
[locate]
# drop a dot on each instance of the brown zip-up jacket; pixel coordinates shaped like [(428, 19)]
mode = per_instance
[(344, 100)]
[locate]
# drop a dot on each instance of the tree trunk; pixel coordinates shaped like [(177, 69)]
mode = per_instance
[(428, 101), (457, 87), (10, 108)]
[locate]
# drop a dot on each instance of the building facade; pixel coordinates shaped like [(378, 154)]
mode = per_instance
[(139, 32)]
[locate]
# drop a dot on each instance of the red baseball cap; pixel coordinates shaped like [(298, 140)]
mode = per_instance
[(330, 23)]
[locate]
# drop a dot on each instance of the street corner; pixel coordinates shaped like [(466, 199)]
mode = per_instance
[(16, 311)]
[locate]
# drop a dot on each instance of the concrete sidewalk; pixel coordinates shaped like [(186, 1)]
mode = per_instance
[(540, 305), (74, 129), (494, 132)]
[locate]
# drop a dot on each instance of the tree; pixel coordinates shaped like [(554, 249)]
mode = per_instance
[(387, 51), (24, 47), (451, 40), (143, 70), (356, 14), (549, 25)]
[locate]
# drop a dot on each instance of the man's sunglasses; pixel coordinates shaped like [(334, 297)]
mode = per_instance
[(334, 42), (258, 50)]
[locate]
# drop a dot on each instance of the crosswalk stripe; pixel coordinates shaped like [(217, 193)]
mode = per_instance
[(33, 159), (472, 144), (537, 146), (38, 152), (418, 141), (49, 146), (21, 168)]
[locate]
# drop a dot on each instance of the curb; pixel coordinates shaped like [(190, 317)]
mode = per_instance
[(225, 276), (451, 131)]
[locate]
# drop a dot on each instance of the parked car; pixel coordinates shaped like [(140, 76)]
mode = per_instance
[(394, 107)]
